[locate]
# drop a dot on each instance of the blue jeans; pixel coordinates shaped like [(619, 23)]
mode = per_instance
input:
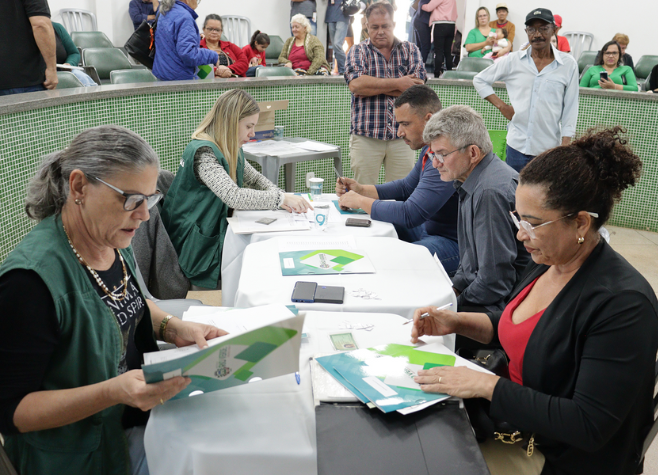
[(337, 33), (21, 90), (516, 159), (135, 436), (445, 249), (251, 72), (85, 79), (314, 27)]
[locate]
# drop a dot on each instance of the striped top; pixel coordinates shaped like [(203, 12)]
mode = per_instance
[(373, 116)]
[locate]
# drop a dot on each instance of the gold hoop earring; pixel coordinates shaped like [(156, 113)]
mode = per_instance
[(581, 240)]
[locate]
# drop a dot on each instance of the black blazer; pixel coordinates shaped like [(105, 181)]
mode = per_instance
[(588, 369)]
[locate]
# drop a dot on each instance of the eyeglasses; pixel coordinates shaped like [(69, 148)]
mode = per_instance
[(133, 200), (213, 30), (530, 229), (611, 53), (441, 156), (544, 30)]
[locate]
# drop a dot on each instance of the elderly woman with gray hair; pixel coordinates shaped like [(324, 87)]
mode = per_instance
[(177, 50), (75, 323), (303, 52)]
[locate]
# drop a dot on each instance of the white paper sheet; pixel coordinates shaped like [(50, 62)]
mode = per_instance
[(244, 222), (315, 146)]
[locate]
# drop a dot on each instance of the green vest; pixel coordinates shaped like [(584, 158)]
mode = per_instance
[(88, 352), (195, 218)]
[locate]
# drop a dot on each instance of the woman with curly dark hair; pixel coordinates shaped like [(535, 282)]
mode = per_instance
[(580, 329)]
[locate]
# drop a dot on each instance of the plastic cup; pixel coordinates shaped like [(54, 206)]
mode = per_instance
[(321, 216), (278, 132), (316, 188)]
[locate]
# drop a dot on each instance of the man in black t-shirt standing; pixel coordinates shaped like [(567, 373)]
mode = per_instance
[(28, 47)]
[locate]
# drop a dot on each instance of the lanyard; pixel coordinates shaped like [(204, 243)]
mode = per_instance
[(425, 159)]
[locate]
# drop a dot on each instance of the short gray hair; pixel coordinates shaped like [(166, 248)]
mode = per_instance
[(302, 20), (462, 125), (166, 5), (103, 152)]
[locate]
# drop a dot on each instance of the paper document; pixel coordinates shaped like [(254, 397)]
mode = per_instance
[(315, 146), (384, 374), (325, 387), (245, 222), (68, 66), (325, 261), (269, 349), (274, 148)]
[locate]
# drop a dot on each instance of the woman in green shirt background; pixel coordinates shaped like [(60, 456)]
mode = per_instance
[(609, 61), (481, 36)]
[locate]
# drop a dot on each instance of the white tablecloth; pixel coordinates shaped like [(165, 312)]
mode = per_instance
[(407, 277), (261, 428), (235, 244)]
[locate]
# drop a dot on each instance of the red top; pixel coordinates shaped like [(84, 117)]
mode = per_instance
[(249, 53), (240, 62), (514, 337), (563, 44), (298, 58)]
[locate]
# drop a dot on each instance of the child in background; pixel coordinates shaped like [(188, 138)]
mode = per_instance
[(255, 52), (499, 45)]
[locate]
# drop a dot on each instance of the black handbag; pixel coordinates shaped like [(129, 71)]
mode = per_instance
[(141, 44), (350, 7), (484, 426)]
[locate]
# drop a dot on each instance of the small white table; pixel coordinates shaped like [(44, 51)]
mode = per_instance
[(271, 163), (407, 277), (235, 244), (262, 428)]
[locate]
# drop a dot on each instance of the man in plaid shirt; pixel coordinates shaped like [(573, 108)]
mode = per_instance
[(377, 71)]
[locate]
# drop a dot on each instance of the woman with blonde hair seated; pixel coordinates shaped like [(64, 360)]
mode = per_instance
[(303, 52), (213, 179)]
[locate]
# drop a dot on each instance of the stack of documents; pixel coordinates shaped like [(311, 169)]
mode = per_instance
[(384, 375), (274, 148), (319, 256), (246, 222), (264, 343)]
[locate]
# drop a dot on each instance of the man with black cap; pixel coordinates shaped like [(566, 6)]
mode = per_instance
[(542, 84)]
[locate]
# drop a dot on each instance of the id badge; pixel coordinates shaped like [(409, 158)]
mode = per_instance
[(315, 17)]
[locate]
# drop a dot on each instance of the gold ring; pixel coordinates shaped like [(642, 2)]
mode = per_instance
[(439, 379), (162, 402)]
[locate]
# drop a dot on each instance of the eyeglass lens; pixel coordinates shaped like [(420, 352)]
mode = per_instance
[(135, 201)]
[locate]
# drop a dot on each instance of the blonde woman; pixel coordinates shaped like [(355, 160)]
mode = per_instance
[(481, 38), (303, 52), (213, 179)]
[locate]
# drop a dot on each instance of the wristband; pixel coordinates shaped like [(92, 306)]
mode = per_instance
[(163, 326)]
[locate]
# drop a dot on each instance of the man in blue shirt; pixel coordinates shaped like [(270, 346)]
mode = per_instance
[(424, 210), (337, 24), (542, 84), (142, 10)]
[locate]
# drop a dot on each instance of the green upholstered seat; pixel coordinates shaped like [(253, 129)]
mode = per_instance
[(105, 60), (127, 76), (586, 58), (474, 64), (67, 80), (274, 71), (91, 39), (273, 51), (458, 75)]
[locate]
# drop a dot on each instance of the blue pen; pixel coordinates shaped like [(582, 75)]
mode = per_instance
[(298, 378)]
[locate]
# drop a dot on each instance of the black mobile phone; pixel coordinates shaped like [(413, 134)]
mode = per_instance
[(304, 292), (604, 75), (361, 223), (327, 294)]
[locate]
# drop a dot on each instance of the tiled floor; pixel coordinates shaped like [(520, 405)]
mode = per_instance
[(640, 248)]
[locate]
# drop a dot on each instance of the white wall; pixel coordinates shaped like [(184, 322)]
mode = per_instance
[(603, 19)]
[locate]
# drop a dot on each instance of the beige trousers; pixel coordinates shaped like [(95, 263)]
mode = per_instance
[(511, 459), (367, 156)]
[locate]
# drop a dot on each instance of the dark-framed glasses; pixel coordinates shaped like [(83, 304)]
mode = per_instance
[(214, 30), (133, 200), (544, 30), (441, 156), (530, 229)]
